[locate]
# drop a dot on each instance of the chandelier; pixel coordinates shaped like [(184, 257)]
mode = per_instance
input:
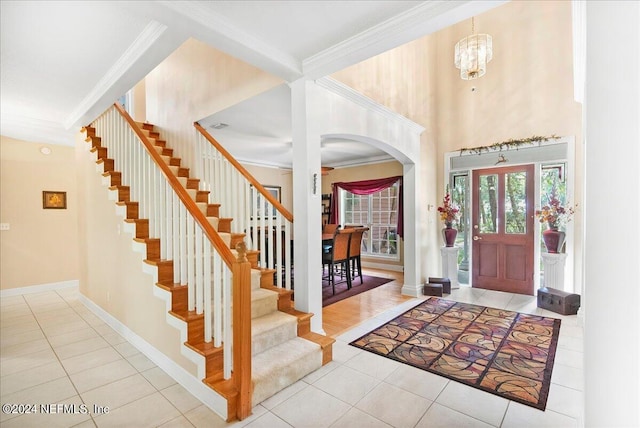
[(472, 54)]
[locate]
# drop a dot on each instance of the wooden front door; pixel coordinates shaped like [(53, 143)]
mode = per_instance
[(502, 229)]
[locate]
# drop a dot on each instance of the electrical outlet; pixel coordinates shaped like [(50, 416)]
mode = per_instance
[(4, 226)]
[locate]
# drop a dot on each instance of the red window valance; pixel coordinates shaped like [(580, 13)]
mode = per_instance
[(367, 187)]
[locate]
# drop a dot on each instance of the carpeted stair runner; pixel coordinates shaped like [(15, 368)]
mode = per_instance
[(279, 357)]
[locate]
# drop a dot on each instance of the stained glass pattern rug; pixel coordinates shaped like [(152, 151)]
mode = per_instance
[(506, 353)]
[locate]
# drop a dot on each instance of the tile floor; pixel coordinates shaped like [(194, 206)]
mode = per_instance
[(54, 350)]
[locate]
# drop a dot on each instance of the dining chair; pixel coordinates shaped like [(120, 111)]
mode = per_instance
[(338, 255), (330, 228), (355, 248)]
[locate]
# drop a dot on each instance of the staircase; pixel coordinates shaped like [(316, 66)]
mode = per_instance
[(282, 347)]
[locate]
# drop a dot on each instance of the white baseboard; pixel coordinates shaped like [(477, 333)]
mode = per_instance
[(383, 266), (195, 386), (412, 290), (39, 288)]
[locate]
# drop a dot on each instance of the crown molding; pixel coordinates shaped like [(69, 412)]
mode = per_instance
[(426, 18), (145, 40), (235, 41), (356, 97), (36, 130), (387, 30)]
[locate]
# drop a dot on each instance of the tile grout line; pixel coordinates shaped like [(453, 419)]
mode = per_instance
[(139, 372), (54, 353)]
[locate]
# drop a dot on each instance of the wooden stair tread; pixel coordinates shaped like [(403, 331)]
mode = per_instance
[(205, 349), (224, 387), (213, 377), (172, 287), (186, 315), (146, 240), (298, 314), (158, 262), (273, 287), (320, 339)]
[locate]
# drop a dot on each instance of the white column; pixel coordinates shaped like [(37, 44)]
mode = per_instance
[(611, 293), (553, 265), (450, 265), (307, 219), (410, 187)]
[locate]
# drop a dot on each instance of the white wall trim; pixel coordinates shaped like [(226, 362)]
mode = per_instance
[(423, 19), (356, 97), (36, 130), (219, 32), (383, 266), (74, 283), (145, 40), (413, 290), (579, 20), (195, 386)]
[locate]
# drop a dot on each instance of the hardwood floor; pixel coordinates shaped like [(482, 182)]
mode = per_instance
[(348, 313)]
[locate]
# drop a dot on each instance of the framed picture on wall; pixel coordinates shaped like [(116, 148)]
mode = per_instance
[(54, 200), (275, 192)]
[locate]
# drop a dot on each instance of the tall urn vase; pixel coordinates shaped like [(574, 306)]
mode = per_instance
[(449, 234), (553, 239)]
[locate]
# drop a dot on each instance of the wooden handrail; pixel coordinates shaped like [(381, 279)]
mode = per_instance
[(222, 248), (268, 196)]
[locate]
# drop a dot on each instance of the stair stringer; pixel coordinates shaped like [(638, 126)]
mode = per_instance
[(193, 383)]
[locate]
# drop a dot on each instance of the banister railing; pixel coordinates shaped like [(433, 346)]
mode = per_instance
[(253, 209), (201, 258)]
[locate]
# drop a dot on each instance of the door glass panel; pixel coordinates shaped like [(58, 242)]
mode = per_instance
[(488, 203), (461, 197), (515, 202)]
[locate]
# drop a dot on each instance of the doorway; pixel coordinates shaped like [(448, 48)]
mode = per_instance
[(503, 229)]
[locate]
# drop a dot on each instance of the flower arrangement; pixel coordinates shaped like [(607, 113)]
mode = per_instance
[(554, 214), (448, 211)]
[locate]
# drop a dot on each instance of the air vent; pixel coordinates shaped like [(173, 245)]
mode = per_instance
[(218, 125)]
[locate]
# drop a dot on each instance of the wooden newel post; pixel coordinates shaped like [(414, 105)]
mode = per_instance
[(242, 331)]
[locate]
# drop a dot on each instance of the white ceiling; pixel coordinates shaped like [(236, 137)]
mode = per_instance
[(64, 62)]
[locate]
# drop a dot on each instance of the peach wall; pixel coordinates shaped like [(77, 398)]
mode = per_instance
[(194, 82), (112, 272), (275, 177), (528, 90), (41, 246)]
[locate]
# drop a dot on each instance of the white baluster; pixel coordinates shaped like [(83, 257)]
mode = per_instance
[(207, 291), (227, 330), (217, 300), (198, 264), (191, 275), (183, 245), (177, 255), (287, 254), (278, 238), (168, 221)]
